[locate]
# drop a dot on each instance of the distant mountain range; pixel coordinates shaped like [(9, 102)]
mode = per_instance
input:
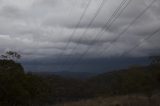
[(76, 75), (68, 74)]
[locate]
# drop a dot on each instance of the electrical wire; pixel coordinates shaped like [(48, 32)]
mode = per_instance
[(107, 25), (129, 26)]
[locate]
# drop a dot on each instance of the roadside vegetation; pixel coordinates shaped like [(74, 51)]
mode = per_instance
[(129, 100)]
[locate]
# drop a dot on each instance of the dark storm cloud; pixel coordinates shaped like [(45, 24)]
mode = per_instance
[(42, 28)]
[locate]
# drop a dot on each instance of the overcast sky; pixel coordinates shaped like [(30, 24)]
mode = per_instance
[(47, 31)]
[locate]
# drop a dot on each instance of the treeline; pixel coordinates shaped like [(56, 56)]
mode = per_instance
[(19, 89), (135, 80)]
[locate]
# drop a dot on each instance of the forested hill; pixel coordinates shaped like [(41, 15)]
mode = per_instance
[(17, 88), (137, 79), (20, 89)]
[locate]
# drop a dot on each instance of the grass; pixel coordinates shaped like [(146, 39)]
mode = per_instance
[(118, 101)]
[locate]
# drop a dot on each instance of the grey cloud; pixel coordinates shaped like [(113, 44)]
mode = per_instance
[(42, 28), (11, 12)]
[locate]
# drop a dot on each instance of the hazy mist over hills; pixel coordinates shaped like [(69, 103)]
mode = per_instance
[(88, 65)]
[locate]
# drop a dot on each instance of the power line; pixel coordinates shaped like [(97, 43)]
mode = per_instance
[(129, 26), (139, 44), (77, 25), (146, 38), (90, 23), (107, 25)]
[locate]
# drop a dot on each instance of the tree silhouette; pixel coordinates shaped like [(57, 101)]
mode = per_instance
[(11, 55), (155, 59)]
